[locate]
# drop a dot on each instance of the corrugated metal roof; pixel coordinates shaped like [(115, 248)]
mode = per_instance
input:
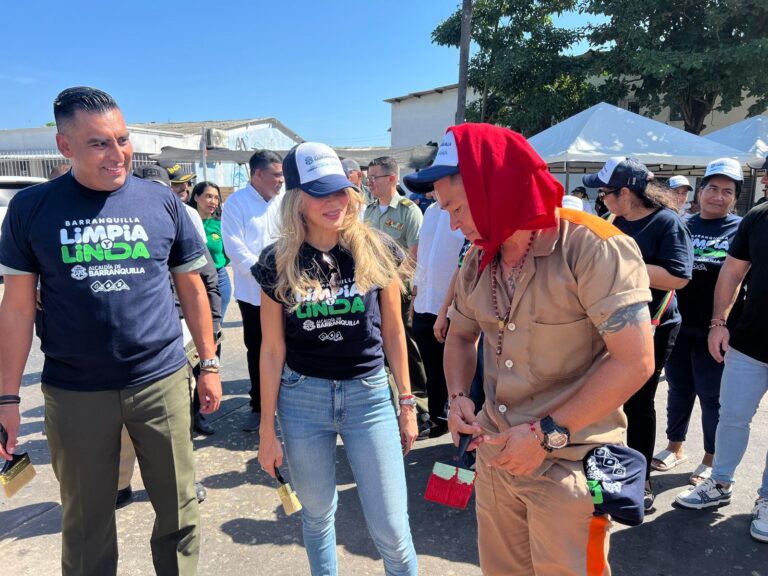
[(438, 90), (196, 127)]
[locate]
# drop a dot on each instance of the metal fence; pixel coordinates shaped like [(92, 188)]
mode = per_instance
[(39, 163)]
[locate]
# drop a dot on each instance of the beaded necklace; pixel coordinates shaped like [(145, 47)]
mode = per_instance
[(511, 281)]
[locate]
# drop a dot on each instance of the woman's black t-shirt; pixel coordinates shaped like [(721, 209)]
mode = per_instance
[(334, 334), (711, 241), (663, 241)]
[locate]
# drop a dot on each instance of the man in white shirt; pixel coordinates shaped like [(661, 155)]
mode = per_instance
[(438, 253), (248, 225)]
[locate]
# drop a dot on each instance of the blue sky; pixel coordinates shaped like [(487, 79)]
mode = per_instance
[(322, 67)]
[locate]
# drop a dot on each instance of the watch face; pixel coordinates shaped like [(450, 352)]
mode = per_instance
[(557, 440)]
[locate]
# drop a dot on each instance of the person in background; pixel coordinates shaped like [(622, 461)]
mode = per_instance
[(355, 175), (206, 199), (581, 193), (249, 223), (691, 371), (679, 189), (761, 165), (181, 180), (399, 218), (325, 375), (58, 170), (639, 209), (438, 252), (745, 378)]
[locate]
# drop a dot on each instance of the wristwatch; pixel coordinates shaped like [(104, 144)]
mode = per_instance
[(211, 365), (555, 437)]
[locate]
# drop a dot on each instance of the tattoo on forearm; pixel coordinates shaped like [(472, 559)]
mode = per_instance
[(634, 314)]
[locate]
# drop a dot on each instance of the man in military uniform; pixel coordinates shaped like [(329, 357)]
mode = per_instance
[(389, 212), (401, 219)]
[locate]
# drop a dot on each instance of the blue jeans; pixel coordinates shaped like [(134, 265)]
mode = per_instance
[(225, 289), (691, 372), (745, 382), (312, 412)]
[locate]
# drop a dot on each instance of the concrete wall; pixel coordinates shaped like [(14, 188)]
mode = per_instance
[(714, 121), (418, 120)]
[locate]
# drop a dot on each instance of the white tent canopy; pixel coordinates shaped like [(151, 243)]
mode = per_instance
[(750, 135), (603, 131)]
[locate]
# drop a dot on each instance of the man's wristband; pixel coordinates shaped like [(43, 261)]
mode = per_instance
[(454, 396), (9, 399), (715, 323)]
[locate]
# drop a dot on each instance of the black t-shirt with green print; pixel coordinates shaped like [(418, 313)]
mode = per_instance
[(334, 334)]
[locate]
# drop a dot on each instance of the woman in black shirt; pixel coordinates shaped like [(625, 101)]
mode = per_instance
[(640, 210), (331, 313)]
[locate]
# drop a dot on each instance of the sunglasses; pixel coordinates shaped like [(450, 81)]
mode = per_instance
[(333, 279)]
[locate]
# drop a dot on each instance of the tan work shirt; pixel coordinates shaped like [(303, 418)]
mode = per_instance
[(401, 220), (579, 273)]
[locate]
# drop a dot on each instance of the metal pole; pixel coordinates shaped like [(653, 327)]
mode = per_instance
[(203, 154)]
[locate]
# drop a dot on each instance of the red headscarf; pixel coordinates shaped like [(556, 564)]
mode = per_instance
[(507, 184)]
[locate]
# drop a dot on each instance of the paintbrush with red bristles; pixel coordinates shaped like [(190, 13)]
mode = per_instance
[(451, 482)]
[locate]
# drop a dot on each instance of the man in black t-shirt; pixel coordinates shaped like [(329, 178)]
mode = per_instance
[(102, 244), (745, 377)]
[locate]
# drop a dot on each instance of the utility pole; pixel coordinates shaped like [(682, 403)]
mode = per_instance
[(466, 36)]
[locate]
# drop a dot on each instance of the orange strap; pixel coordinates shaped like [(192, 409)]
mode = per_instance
[(596, 560)]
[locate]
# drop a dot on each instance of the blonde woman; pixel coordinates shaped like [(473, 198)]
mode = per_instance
[(331, 312)]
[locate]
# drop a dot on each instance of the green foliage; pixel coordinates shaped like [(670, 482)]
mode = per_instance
[(693, 55), (522, 70), (690, 55), (50, 124)]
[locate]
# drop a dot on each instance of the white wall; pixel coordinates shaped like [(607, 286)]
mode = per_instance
[(714, 121), (416, 121), (144, 141)]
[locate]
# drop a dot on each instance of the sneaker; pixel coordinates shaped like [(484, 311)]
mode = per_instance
[(648, 498), (759, 527), (707, 494), (252, 422), (200, 492)]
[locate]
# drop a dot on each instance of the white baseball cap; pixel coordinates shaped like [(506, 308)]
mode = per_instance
[(573, 203), (314, 168), (678, 181), (725, 167)]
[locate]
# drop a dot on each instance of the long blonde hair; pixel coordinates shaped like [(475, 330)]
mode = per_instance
[(375, 264)]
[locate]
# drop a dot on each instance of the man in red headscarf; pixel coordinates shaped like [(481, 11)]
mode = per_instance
[(560, 297)]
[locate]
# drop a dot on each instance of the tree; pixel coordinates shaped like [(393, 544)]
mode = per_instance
[(691, 55), (522, 70)]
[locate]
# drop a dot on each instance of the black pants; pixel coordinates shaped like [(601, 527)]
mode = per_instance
[(640, 409), (252, 338), (415, 362), (432, 356)]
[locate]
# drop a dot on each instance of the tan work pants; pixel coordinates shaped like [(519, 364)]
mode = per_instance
[(538, 525)]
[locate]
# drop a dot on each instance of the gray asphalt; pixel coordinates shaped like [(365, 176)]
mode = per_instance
[(246, 532)]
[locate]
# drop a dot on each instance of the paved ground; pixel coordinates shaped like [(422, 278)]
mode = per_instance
[(245, 531)]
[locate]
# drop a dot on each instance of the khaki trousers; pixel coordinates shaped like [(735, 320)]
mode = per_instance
[(84, 431), (538, 525)]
